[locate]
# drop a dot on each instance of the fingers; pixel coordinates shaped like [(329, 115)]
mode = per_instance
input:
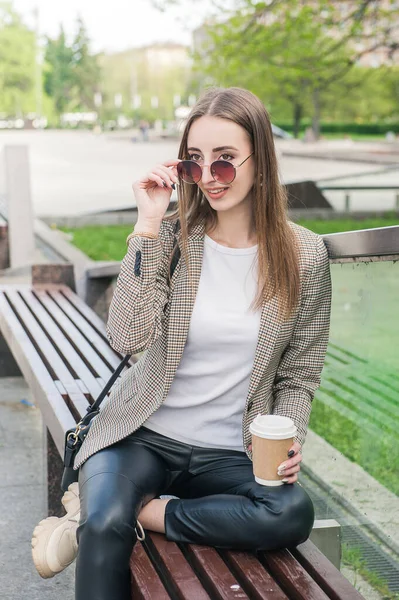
[(295, 448), (161, 175), (291, 467), (172, 163), (290, 464), (292, 479), (151, 180)]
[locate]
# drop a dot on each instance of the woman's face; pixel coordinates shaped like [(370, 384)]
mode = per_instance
[(213, 138)]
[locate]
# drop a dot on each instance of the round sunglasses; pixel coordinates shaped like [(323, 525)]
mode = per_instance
[(222, 171)]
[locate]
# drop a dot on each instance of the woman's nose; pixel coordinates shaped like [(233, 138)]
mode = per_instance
[(206, 174)]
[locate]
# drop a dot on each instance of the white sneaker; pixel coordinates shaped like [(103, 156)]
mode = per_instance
[(54, 544)]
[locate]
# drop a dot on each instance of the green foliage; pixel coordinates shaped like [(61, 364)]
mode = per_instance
[(348, 128), (73, 73), (58, 78), (85, 68), (298, 56), (17, 61)]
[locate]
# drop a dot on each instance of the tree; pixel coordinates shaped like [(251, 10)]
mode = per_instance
[(298, 48), (85, 67), (72, 74), (17, 60), (59, 77)]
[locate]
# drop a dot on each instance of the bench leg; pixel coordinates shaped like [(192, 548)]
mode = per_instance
[(55, 469), (326, 535), (98, 295)]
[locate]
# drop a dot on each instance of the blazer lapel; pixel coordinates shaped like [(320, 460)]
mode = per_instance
[(185, 291), (268, 333)]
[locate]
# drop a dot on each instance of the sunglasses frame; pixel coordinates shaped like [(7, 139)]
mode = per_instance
[(235, 167)]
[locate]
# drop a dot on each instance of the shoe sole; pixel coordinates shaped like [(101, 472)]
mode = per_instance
[(41, 538), (43, 531)]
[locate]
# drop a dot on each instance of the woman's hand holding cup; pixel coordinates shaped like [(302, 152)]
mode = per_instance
[(291, 467), (152, 194)]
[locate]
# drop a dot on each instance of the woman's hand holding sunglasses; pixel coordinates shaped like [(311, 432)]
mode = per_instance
[(153, 192)]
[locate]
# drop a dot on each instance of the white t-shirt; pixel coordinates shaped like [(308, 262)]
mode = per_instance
[(205, 403)]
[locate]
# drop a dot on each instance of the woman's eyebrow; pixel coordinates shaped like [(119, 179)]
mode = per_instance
[(218, 149)]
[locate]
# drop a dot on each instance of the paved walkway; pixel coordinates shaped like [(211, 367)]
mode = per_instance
[(78, 172), (23, 498)]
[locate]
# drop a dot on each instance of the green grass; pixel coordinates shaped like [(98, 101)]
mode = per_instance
[(353, 558), (336, 225), (109, 242), (378, 456), (101, 242)]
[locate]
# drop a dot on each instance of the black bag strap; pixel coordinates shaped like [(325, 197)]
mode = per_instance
[(96, 405)]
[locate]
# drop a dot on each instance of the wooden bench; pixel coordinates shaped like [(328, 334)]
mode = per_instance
[(61, 348), (162, 570)]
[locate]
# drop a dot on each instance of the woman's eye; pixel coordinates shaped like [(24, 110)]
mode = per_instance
[(195, 157), (227, 157)]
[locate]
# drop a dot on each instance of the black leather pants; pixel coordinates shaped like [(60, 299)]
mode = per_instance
[(220, 505)]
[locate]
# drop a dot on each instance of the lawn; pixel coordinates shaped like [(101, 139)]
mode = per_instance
[(109, 242)]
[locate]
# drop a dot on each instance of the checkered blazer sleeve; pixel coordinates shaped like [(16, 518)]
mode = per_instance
[(136, 313), (299, 371)]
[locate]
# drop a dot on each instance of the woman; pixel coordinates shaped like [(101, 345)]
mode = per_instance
[(239, 328)]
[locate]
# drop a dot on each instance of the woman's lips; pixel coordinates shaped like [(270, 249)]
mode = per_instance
[(216, 193)]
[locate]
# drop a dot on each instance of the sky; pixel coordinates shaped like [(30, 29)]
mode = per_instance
[(117, 24)]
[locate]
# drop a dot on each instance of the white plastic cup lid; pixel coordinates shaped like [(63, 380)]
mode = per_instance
[(273, 427)]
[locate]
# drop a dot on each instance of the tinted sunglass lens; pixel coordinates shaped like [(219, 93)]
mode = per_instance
[(223, 171), (189, 171)]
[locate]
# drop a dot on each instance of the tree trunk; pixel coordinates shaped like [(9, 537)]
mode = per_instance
[(316, 113), (297, 119)]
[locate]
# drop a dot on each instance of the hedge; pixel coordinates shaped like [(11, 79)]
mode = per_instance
[(355, 128)]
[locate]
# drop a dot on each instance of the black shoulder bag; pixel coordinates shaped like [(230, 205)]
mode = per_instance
[(74, 438)]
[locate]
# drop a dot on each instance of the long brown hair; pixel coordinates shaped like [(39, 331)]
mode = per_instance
[(278, 260)]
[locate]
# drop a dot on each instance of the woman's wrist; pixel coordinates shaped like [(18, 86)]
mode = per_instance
[(146, 226)]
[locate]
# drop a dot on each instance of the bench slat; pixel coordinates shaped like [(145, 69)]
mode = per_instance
[(146, 584), (71, 328), (60, 371), (214, 571), (255, 579), (94, 319), (84, 309), (87, 328), (83, 351), (292, 576), (175, 568), (64, 346), (325, 573), (55, 412)]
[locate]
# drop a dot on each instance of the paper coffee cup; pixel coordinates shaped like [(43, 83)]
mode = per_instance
[(272, 437)]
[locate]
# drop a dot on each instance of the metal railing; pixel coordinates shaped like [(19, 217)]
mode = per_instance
[(365, 245), (364, 188)]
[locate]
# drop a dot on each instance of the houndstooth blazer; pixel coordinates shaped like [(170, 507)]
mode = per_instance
[(148, 313)]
